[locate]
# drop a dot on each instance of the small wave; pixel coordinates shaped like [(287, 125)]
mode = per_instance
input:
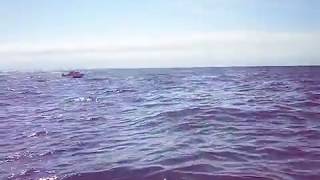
[(39, 133), (159, 173), (28, 155), (49, 178), (85, 99), (24, 174), (33, 173), (119, 91), (20, 156), (29, 92)]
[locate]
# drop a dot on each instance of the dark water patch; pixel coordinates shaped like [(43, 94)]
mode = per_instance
[(98, 79), (179, 113), (4, 104)]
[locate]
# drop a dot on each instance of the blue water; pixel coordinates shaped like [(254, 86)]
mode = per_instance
[(188, 124)]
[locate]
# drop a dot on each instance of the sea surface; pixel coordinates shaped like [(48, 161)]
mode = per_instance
[(257, 123)]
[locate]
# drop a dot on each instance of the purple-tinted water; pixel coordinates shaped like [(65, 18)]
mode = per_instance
[(205, 123)]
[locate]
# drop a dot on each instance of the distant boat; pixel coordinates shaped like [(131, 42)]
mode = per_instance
[(73, 74)]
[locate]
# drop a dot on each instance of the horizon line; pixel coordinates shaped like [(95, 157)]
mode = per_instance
[(177, 67)]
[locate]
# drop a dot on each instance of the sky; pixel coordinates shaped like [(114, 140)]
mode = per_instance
[(60, 34)]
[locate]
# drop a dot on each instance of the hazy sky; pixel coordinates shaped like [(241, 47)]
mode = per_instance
[(55, 34)]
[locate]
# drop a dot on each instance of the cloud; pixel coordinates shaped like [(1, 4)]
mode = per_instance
[(185, 49)]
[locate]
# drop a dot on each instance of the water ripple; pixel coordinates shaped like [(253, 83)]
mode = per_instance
[(202, 123)]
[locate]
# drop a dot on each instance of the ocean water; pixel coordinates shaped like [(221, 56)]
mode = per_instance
[(162, 124)]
